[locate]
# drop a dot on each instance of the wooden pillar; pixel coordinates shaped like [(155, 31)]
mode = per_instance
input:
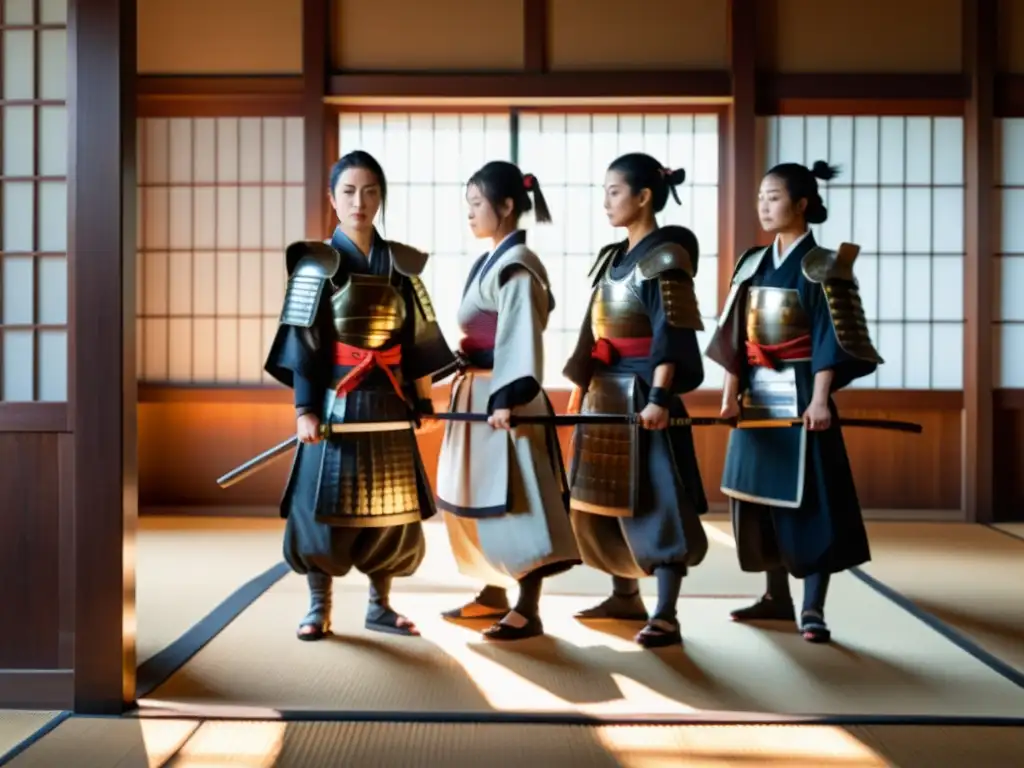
[(535, 36), (979, 47), (317, 31), (742, 176), (101, 265)]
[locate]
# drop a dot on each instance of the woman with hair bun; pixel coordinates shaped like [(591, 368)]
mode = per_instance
[(636, 494), (502, 487), (358, 342), (791, 333)]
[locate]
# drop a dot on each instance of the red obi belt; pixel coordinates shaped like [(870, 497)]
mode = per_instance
[(770, 355), (474, 346), (610, 351), (363, 361)]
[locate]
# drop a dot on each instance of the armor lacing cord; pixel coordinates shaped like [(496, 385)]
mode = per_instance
[(770, 355), (365, 360)]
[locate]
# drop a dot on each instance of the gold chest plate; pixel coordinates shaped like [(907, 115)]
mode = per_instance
[(617, 312), (775, 316), (368, 311)]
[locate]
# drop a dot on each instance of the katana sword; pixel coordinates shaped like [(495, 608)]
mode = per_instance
[(257, 463), (677, 422)]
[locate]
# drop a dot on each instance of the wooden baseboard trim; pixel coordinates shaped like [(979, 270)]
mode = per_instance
[(719, 511), (37, 689), (211, 510)]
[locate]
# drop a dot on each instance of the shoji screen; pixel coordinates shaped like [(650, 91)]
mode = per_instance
[(34, 140), (900, 196), (220, 198)]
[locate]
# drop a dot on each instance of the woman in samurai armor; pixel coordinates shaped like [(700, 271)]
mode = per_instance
[(792, 333), (636, 493), (502, 487), (358, 343)]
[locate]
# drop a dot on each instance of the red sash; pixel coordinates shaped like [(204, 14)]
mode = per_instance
[(608, 351), (365, 360), (471, 346), (769, 355)]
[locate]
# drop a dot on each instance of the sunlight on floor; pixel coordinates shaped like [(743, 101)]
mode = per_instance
[(719, 746), (249, 745), (162, 738)]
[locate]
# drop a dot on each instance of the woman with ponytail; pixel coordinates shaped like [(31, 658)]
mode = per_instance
[(502, 487), (791, 333), (636, 494)]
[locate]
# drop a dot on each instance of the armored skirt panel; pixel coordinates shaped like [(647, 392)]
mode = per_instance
[(635, 495), (503, 493), (357, 499)]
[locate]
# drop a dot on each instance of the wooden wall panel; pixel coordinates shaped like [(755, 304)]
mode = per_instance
[(888, 36), (610, 34), (185, 445), (1011, 36), (1008, 455), (29, 551), (224, 37), (404, 35)]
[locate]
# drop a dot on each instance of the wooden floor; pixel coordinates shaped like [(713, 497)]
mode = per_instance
[(933, 627)]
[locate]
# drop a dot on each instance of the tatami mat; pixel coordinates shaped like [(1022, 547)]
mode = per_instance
[(883, 661), (1014, 529), (186, 566), (125, 743), (15, 727), (968, 576)]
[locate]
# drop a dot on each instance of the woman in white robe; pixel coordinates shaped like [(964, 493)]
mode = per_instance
[(502, 489)]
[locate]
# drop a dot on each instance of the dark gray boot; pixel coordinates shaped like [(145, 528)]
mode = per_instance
[(317, 623)]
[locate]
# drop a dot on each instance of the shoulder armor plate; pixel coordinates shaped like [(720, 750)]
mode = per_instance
[(821, 265), (747, 263), (679, 302), (667, 257), (408, 261), (603, 257), (310, 253), (833, 270), (310, 265), (746, 267), (419, 291)]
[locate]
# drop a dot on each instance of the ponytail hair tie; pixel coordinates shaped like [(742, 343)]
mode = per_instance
[(528, 181)]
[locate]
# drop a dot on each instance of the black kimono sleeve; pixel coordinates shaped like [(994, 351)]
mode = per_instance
[(425, 350)]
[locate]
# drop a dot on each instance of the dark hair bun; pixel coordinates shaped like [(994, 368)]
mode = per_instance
[(676, 177), (824, 171)]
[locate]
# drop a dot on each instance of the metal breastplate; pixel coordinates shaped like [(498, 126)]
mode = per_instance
[(617, 312), (368, 311), (774, 316)]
